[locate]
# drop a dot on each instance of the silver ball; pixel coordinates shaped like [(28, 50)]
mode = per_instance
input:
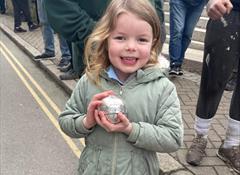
[(111, 106)]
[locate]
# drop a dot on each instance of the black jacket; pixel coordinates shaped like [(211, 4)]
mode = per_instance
[(236, 4)]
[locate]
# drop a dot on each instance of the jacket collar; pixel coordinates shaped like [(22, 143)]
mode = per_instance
[(141, 76)]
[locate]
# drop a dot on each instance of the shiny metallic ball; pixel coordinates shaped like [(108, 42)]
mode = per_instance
[(111, 106)]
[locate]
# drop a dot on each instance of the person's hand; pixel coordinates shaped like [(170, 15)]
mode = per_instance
[(217, 8), (89, 120), (123, 124)]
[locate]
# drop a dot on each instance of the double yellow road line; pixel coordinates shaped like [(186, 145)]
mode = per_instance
[(22, 73)]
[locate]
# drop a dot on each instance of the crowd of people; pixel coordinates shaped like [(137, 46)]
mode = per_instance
[(112, 47)]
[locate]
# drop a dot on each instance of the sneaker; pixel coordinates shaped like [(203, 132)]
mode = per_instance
[(63, 63), (176, 70), (45, 56), (173, 71), (19, 30), (33, 26), (180, 71), (196, 151), (70, 75), (65, 68), (231, 156)]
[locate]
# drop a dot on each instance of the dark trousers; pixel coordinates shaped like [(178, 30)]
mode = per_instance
[(18, 6), (2, 6), (222, 49)]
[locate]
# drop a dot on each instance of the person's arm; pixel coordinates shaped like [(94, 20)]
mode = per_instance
[(69, 19), (71, 120), (167, 134), (217, 8)]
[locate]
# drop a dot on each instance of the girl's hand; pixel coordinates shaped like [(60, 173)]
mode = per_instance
[(89, 120), (123, 125)]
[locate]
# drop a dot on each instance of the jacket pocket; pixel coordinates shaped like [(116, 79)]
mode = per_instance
[(89, 161), (139, 164)]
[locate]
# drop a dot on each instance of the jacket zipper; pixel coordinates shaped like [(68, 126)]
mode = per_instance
[(121, 90), (114, 154), (115, 143)]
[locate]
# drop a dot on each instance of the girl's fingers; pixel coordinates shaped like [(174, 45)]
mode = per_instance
[(100, 120), (123, 118), (102, 95), (96, 100), (94, 105)]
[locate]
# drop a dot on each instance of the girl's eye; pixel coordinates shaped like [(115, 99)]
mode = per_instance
[(119, 38), (143, 40)]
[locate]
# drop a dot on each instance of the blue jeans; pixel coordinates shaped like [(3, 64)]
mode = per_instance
[(183, 19), (48, 35)]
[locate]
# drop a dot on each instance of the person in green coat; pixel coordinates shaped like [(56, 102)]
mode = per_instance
[(75, 19), (121, 58)]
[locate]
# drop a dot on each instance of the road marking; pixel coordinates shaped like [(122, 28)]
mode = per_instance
[(7, 54)]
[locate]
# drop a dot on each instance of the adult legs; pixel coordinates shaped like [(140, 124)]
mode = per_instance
[(24, 6), (221, 51), (77, 63), (178, 11), (70, 65), (66, 54), (2, 6), (229, 150), (47, 33), (192, 17), (16, 11), (235, 102), (18, 6), (222, 48), (232, 81), (48, 39)]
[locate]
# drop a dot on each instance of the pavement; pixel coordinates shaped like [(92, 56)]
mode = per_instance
[(187, 88)]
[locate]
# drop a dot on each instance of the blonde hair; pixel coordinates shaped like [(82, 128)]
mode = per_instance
[(96, 51)]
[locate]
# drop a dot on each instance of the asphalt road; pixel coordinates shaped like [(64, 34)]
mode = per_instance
[(30, 140)]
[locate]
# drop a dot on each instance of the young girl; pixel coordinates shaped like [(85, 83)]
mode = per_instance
[(121, 57)]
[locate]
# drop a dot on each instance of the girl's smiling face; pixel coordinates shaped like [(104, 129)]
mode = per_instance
[(129, 44)]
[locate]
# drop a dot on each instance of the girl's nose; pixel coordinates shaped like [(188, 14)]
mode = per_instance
[(131, 46)]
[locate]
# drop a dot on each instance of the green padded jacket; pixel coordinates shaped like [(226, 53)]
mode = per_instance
[(153, 108)]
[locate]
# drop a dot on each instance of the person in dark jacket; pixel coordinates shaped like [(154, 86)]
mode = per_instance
[(75, 19), (222, 48)]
